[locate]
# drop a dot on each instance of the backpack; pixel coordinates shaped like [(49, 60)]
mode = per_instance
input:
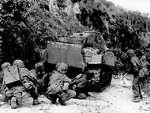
[(109, 58), (11, 75)]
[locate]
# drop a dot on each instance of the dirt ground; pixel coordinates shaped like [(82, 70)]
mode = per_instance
[(117, 98)]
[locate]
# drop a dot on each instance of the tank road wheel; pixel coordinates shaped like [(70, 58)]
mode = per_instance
[(105, 76)]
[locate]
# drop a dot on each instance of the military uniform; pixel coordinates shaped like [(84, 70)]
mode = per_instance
[(144, 62), (42, 77), (135, 67), (81, 84), (39, 77), (28, 81), (2, 85), (144, 74), (58, 85), (13, 90)]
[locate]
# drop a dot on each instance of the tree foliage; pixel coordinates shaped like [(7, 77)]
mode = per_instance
[(124, 29), (26, 25)]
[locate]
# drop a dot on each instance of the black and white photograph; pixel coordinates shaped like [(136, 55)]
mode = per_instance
[(74, 56)]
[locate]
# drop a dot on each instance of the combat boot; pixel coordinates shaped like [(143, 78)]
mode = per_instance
[(138, 99), (36, 102), (62, 102), (54, 100), (82, 96), (13, 103), (19, 99)]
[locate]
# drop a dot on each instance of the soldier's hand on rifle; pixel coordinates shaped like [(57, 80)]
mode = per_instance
[(74, 87), (65, 86)]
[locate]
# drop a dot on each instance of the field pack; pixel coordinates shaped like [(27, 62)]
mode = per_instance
[(11, 75)]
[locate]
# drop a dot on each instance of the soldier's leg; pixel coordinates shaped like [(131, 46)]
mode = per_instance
[(11, 99), (31, 89), (52, 97), (66, 95), (18, 94), (13, 103), (70, 94), (136, 90), (34, 95), (81, 93), (81, 96)]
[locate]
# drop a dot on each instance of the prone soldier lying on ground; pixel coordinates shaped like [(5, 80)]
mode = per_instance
[(58, 86), (16, 79), (81, 84)]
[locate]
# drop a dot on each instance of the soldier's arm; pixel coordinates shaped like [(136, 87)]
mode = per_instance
[(41, 81), (134, 64), (66, 82)]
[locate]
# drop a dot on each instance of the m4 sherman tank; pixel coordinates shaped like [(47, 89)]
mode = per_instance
[(81, 58)]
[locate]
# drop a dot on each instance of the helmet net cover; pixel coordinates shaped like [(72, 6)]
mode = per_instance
[(39, 65), (61, 67), (143, 58), (5, 65), (130, 52), (18, 63)]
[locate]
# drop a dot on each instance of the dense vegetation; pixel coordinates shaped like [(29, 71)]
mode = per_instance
[(25, 25)]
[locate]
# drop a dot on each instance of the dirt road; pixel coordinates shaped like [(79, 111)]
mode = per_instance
[(114, 99)]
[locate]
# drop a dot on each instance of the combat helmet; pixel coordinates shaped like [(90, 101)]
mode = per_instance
[(62, 68), (5, 65), (89, 74), (39, 65), (18, 63), (130, 53), (143, 58)]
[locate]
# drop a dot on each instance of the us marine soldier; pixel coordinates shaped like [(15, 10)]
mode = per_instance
[(2, 85), (144, 75), (3, 66), (58, 85), (27, 81), (81, 84), (144, 62), (12, 87), (134, 68), (41, 77)]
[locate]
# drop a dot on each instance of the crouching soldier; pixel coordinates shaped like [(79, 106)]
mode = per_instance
[(12, 87), (3, 86), (81, 84), (42, 77), (27, 80), (59, 85)]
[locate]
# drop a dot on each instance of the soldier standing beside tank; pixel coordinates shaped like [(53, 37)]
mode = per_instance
[(144, 75), (134, 68), (144, 62), (59, 85)]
